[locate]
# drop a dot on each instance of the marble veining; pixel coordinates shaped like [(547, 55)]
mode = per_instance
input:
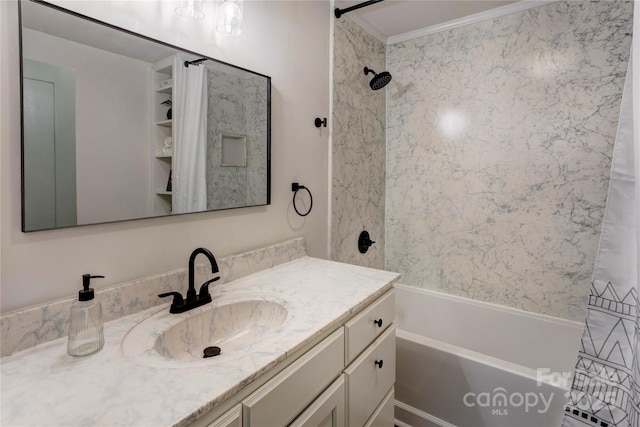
[(240, 108), (358, 162), (44, 386), (36, 325), (239, 322), (499, 144)]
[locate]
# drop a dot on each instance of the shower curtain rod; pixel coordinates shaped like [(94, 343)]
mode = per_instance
[(195, 62), (340, 12)]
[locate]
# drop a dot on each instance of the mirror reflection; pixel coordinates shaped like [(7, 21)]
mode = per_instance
[(118, 127)]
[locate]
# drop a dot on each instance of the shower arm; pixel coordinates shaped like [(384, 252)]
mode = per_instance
[(340, 12)]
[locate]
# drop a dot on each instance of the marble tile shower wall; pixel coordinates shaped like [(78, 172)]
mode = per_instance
[(256, 109), (358, 146), (239, 109), (499, 143)]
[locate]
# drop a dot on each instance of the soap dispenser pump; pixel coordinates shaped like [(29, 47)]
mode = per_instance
[(86, 334)]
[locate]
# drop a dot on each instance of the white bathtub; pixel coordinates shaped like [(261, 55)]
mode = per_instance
[(466, 363)]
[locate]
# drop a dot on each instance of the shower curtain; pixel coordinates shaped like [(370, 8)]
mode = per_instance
[(190, 148), (606, 385)]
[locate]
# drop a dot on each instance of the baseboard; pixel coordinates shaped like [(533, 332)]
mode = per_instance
[(408, 416)]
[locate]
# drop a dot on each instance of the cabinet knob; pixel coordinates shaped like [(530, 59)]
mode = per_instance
[(379, 363), (378, 322)]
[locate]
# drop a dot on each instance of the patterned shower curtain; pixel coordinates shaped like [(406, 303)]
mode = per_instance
[(606, 386)]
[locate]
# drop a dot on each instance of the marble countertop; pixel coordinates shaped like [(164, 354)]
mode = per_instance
[(44, 386)]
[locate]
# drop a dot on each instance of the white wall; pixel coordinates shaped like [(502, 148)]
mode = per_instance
[(113, 134), (287, 40)]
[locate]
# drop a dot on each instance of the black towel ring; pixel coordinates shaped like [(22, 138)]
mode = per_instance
[(295, 187)]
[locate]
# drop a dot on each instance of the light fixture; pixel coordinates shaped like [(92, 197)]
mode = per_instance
[(193, 9), (229, 17)]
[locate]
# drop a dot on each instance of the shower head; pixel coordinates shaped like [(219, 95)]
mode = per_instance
[(379, 80)]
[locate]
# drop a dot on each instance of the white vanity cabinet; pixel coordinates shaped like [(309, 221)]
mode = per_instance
[(370, 377), (286, 395), (327, 410), (366, 326), (346, 380), (384, 414), (232, 418), (371, 362)]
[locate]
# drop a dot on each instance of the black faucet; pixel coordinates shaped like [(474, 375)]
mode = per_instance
[(179, 304)]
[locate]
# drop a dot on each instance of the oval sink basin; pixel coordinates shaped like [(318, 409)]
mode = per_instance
[(232, 327), (237, 324)]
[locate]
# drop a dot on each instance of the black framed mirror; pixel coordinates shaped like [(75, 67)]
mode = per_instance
[(117, 126)]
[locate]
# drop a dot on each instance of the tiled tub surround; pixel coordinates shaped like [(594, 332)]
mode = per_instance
[(358, 160), (241, 109), (36, 325), (499, 143), (44, 386)]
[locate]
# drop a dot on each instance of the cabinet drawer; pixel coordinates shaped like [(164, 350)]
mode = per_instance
[(366, 326), (231, 418), (287, 394), (327, 410), (384, 414), (370, 377)]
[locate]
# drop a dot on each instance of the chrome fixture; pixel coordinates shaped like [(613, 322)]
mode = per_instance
[(230, 15), (193, 9), (193, 300)]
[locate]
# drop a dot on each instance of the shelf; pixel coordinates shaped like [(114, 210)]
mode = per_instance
[(166, 89), (162, 128)]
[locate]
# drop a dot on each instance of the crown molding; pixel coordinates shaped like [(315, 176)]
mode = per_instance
[(471, 19)]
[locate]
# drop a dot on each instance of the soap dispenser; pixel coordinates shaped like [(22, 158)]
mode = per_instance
[(86, 334)]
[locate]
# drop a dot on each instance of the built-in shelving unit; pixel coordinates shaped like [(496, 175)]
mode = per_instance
[(163, 129)]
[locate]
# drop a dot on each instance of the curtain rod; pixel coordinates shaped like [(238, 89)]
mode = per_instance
[(340, 12), (195, 62)]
